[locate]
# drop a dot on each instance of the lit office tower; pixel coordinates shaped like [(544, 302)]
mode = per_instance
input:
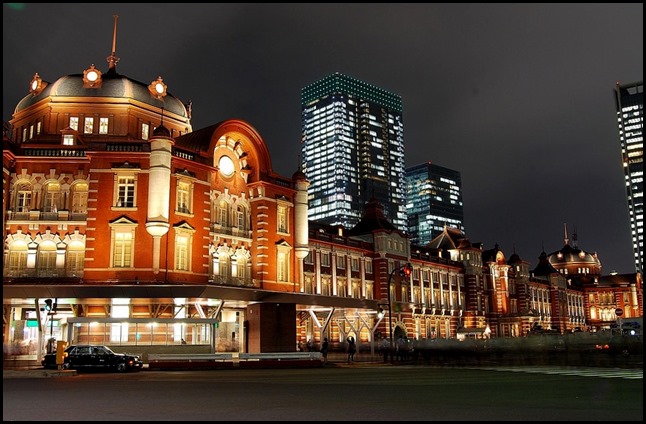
[(353, 150), (434, 200), (630, 118)]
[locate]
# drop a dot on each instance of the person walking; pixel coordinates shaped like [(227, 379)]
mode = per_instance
[(352, 349), (324, 348)]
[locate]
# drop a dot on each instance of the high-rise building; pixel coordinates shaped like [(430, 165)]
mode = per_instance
[(630, 119), (434, 196), (353, 150)]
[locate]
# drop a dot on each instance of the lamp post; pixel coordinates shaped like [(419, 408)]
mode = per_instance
[(404, 271)]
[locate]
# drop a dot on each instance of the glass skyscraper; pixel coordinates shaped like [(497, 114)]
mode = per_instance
[(352, 150), (630, 119), (434, 200)]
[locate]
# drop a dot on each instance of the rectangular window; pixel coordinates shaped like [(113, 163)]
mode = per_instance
[(17, 260), (23, 199), (74, 123), (181, 253), (240, 215), (355, 264), (223, 216), (325, 259), (47, 260), (282, 219), (145, 131), (75, 261), (309, 258), (340, 262), (88, 128), (103, 125), (24, 134), (126, 192), (79, 198), (183, 197), (39, 127), (282, 267), (68, 140), (123, 250)]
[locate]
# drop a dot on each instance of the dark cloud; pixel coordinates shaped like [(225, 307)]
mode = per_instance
[(518, 98)]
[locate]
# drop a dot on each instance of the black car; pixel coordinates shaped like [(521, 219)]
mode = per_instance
[(81, 357)]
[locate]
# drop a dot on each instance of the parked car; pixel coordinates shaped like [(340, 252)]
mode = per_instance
[(81, 357)]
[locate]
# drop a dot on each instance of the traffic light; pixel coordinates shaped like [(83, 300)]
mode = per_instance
[(48, 305), (406, 270)]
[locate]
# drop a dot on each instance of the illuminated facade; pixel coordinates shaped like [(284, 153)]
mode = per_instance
[(434, 196), (353, 150), (147, 235), (629, 101)]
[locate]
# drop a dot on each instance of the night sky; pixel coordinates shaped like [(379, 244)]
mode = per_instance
[(518, 98)]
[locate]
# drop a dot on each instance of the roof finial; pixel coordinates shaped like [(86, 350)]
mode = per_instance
[(567, 241), (113, 59)]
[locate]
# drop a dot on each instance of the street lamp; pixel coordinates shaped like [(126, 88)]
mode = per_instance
[(404, 271)]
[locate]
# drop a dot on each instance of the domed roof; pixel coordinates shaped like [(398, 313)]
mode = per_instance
[(573, 255), (113, 85)]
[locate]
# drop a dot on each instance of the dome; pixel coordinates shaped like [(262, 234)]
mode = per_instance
[(572, 255), (112, 85)]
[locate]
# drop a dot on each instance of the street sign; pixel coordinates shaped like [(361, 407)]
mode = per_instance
[(619, 312)]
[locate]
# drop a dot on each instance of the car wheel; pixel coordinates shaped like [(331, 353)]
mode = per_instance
[(121, 367)]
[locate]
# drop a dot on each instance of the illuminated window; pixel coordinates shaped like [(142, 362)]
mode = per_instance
[(184, 197), (88, 128), (75, 260), (120, 309), (17, 260), (182, 251), (122, 247), (79, 197), (23, 197), (74, 123), (282, 266), (282, 219), (145, 131), (51, 197), (46, 262), (103, 125), (241, 215), (68, 140), (222, 214), (224, 266), (125, 192)]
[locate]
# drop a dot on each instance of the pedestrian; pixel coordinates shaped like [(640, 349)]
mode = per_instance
[(385, 349), (324, 347), (352, 349)]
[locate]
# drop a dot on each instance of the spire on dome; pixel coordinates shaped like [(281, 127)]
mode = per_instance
[(113, 59)]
